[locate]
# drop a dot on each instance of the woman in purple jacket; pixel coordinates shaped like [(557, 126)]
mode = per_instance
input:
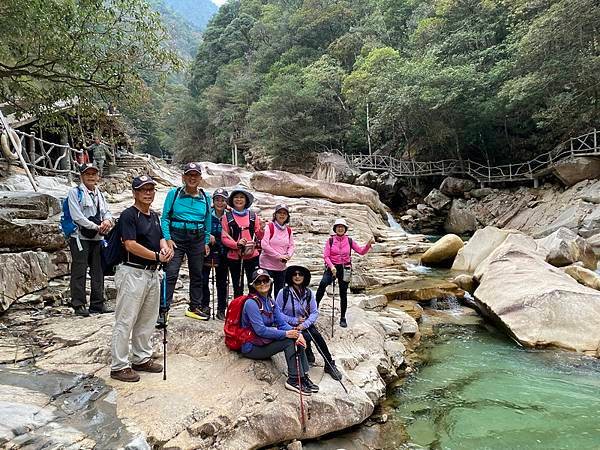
[(299, 308), (274, 335)]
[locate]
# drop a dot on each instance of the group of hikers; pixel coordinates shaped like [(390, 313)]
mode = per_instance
[(220, 236)]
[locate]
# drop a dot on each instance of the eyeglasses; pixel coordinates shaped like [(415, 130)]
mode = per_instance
[(297, 274), (262, 281), (147, 191)]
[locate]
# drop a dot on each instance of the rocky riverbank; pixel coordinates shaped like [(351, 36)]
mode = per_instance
[(212, 397)]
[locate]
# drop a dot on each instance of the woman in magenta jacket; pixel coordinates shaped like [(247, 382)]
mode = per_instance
[(338, 255), (277, 247)]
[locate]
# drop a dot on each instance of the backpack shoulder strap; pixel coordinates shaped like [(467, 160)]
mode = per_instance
[(350, 246), (177, 191), (252, 223), (286, 296), (271, 230), (330, 242), (289, 231)]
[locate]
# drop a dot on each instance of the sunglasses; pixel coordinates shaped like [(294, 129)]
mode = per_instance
[(297, 274), (262, 281)]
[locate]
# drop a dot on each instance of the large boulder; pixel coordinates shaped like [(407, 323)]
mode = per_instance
[(443, 252), (437, 200), (564, 247), (332, 167), (19, 234), (28, 205), (591, 223), (594, 241), (517, 239), (538, 304), (479, 247), (460, 219), (573, 170), (26, 272), (584, 276), (456, 187), (290, 185)]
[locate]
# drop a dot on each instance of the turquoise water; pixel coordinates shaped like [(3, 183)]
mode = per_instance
[(478, 390)]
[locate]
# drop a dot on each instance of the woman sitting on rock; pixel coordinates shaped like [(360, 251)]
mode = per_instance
[(299, 307), (338, 261), (241, 229), (277, 246), (274, 335)]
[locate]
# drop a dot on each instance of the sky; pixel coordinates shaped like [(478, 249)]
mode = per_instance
[(219, 2)]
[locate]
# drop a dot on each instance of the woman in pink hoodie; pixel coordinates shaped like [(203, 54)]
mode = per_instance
[(338, 257), (277, 246), (241, 231)]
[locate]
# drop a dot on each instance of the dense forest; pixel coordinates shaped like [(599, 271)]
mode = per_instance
[(491, 80)]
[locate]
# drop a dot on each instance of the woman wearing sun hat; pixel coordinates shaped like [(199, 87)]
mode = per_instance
[(337, 255), (277, 246)]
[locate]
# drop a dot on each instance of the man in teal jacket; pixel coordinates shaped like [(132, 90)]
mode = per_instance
[(186, 225)]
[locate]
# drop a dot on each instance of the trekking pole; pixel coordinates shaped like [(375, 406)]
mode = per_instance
[(241, 273), (214, 292), (302, 419), (333, 309), (323, 355), (164, 308)]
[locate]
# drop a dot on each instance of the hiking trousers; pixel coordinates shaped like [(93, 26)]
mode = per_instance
[(191, 244), (286, 345), (138, 298), (343, 288), (235, 265), (311, 334), (278, 281), (220, 274), (88, 256)]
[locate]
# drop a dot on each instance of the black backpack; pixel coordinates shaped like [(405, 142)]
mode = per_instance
[(235, 230), (286, 296), (112, 252)]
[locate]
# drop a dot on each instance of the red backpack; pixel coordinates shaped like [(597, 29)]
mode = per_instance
[(235, 334), (272, 230)]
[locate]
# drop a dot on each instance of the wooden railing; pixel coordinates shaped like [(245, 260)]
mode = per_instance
[(584, 145)]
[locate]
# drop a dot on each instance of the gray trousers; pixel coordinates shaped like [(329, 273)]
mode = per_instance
[(100, 164), (288, 347), (88, 256), (138, 298)]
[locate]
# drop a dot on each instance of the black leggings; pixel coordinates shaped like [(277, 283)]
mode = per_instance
[(288, 347), (250, 266), (312, 334), (327, 280)]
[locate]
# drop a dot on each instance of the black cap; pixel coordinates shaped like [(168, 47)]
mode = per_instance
[(260, 273), (221, 193), (192, 167), (88, 166), (142, 180), (293, 269)]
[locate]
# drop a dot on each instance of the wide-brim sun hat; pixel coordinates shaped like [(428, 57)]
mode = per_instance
[(292, 269), (339, 222), (241, 190), (258, 273)]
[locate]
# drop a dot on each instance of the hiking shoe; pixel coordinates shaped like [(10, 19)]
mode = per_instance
[(292, 385), (128, 375), (81, 311), (101, 310), (343, 322), (220, 315), (162, 321), (205, 310), (314, 388), (196, 313), (148, 366), (332, 370)]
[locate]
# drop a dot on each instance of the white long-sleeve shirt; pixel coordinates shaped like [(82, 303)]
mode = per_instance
[(80, 211)]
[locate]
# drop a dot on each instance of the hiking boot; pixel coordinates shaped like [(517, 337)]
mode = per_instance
[(343, 322), (220, 315), (162, 321), (128, 375), (205, 310), (292, 385), (332, 370), (81, 311), (196, 313), (310, 385), (101, 310), (148, 366)]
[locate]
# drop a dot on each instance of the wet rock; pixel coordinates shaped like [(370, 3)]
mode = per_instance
[(465, 282), (437, 200), (479, 247), (564, 247), (538, 304), (583, 276), (443, 252), (456, 187), (460, 220)]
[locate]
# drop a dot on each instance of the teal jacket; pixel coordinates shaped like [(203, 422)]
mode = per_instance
[(189, 213)]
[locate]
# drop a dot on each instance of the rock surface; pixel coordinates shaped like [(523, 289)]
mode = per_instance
[(564, 247), (479, 247), (537, 303), (583, 276), (572, 171), (443, 252), (460, 220), (437, 200), (456, 187)]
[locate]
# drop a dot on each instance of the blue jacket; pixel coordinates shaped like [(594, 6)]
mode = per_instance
[(305, 307), (268, 323), (189, 213)]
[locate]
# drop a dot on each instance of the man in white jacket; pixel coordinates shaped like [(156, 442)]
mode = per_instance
[(90, 213)]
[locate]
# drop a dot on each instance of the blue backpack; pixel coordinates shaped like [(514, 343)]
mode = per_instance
[(67, 225)]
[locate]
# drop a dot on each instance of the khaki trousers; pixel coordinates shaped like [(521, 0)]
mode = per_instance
[(138, 300)]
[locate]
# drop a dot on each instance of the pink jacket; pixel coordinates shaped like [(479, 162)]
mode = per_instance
[(243, 222), (275, 247), (339, 251)]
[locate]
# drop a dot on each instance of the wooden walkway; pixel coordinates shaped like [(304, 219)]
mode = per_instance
[(585, 145)]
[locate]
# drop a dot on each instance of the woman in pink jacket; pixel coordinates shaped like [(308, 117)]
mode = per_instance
[(241, 231), (277, 246), (338, 257)]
